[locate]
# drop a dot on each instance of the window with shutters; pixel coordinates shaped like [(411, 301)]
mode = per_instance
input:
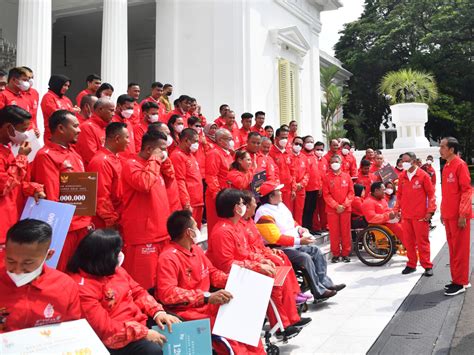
[(289, 91)]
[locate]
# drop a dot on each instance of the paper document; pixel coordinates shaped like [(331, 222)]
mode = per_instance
[(35, 144), (242, 318), (188, 338), (281, 273)]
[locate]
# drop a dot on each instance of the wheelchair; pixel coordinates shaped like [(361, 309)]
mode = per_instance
[(376, 244)]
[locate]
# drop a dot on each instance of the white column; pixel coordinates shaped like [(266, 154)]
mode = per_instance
[(384, 141), (34, 43), (317, 128), (167, 51), (114, 61)]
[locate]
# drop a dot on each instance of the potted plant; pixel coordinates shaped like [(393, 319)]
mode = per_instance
[(409, 92)]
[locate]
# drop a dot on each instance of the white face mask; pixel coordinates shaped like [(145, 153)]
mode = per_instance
[(319, 153), (165, 155), (23, 85), (309, 146), (153, 118), (179, 128), (198, 130), (429, 162), (26, 278), (31, 81), (127, 113), (283, 143), (297, 149), (243, 209), (389, 191), (19, 137), (121, 258), (406, 165), (335, 166), (194, 147), (231, 144), (345, 151), (197, 235), (169, 141)]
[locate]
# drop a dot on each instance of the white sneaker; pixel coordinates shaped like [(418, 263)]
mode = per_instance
[(467, 286)]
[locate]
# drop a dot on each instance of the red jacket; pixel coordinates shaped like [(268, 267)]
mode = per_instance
[(260, 130), (283, 162), (82, 94), (183, 276), (220, 122), (314, 174), (109, 187), (161, 107), (8, 97), (235, 136), (415, 198), (323, 167), (137, 115), (172, 190), (227, 245), (91, 138), (456, 190), (14, 186), (349, 164), (188, 177), (33, 96), (51, 103), (200, 155), (218, 163), (265, 162), (356, 206), (240, 180), (431, 172), (50, 298), (366, 180), (145, 202), (139, 131), (299, 169), (177, 111), (50, 161), (116, 307), (376, 211), (329, 155), (338, 189), (131, 149), (243, 136)]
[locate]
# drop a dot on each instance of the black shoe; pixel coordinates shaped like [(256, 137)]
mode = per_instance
[(408, 270), (337, 287), (454, 290), (428, 272), (290, 332), (302, 323), (346, 259), (335, 259), (327, 294), (448, 285)]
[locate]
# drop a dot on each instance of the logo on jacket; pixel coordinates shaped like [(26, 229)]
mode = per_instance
[(344, 183), (417, 185), (48, 311), (451, 178), (67, 165), (110, 297)]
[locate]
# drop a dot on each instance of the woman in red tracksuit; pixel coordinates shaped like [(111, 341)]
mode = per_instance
[(299, 170), (338, 192), (241, 171), (116, 306)]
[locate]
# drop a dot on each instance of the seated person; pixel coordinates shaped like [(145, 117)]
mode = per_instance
[(31, 293), (277, 226), (185, 275), (376, 210), (255, 244), (241, 171), (365, 177), (357, 215), (115, 305), (228, 245), (390, 194)]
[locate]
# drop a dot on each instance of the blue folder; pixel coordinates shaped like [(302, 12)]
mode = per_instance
[(57, 215), (188, 338)]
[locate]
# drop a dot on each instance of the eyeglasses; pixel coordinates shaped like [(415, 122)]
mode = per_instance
[(320, 150), (300, 144), (198, 126)]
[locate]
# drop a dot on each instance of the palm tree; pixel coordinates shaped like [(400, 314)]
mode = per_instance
[(333, 100), (408, 85)]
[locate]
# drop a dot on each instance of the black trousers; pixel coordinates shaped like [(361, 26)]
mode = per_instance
[(309, 208), (139, 347)]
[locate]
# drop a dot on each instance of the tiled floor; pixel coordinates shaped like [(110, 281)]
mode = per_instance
[(351, 321)]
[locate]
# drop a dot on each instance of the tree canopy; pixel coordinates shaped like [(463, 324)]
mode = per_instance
[(435, 36)]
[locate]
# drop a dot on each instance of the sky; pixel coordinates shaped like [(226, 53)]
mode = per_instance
[(333, 22)]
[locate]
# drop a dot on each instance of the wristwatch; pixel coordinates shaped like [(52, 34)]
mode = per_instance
[(206, 297)]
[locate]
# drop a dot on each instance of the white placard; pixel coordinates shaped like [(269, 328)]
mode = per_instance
[(35, 143), (242, 318), (75, 337)]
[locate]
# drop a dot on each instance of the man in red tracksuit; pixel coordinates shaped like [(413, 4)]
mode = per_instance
[(313, 190), (32, 293), (219, 121), (93, 82), (184, 278), (428, 167), (14, 182), (334, 149), (133, 90), (299, 170), (92, 135), (156, 92), (245, 129), (376, 210), (259, 149), (456, 211), (184, 102), (56, 157), (348, 164), (338, 192), (282, 158), (377, 164), (188, 174), (364, 176), (123, 113), (145, 209), (232, 127), (259, 123), (320, 220), (33, 96), (416, 200), (106, 163), (218, 163), (150, 115), (16, 93)]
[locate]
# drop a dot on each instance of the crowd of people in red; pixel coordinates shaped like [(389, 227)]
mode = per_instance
[(165, 169)]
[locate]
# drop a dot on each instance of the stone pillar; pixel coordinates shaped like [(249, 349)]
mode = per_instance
[(114, 61), (317, 127), (384, 140), (34, 43)]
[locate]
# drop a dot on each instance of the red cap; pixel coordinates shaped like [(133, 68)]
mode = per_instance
[(269, 186)]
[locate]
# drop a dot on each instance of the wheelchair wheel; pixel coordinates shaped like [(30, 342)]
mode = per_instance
[(374, 246), (272, 349)]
